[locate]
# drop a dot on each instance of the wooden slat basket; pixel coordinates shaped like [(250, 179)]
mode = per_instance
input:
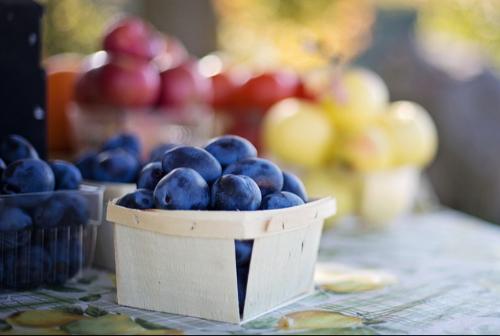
[(183, 262)]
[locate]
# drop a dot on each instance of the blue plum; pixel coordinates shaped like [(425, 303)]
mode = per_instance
[(2, 168), (77, 212), (280, 200), (85, 164), (62, 209), (28, 176), (235, 192), (14, 227), (160, 150), (182, 189), (195, 158), (242, 279), (15, 147), (150, 175), (50, 214), (117, 166), (125, 141), (67, 176), (14, 219), (140, 199), (266, 174), (229, 149), (293, 184), (28, 268), (243, 249)]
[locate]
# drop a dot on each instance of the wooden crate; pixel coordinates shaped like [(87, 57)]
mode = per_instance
[(183, 262)]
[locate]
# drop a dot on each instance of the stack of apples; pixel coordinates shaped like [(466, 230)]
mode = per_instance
[(141, 69), (143, 82), (353, 143)]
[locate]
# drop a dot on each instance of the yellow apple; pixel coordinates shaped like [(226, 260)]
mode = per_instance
[(412, 133), (340, 184), (298, 132), (365, 150), (353, 98)]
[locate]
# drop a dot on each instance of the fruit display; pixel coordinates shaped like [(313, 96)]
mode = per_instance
[(143, 82), (44, 217), (225, 175), (352, 143)]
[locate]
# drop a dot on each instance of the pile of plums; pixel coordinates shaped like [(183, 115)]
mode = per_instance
[(42, 217), (225, 175)]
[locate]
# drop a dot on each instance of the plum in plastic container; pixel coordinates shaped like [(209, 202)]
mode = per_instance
[(47, 238)]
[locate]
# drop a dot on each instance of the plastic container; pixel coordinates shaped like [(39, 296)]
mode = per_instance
[(47, 238), (184, 262)]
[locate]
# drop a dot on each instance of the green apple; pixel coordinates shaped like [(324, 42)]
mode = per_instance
[(412, 133), (298, 132)]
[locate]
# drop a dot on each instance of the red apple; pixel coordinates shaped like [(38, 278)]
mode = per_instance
[(128, 82), (87, 88), (266, 89), (303, 92), (183, 85), (133, 37), (225, 87)]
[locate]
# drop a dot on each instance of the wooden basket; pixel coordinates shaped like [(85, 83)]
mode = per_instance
[(183, 262), (105, 245)]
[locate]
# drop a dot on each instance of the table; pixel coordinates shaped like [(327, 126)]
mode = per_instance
[(430, 274)]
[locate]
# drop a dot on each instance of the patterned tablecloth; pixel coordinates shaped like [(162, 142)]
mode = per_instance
[(430, 274)]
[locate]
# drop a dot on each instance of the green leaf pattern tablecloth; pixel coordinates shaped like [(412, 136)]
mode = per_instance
[(429, 274)]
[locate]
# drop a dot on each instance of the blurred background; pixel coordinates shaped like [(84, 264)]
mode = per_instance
[(339, 61)]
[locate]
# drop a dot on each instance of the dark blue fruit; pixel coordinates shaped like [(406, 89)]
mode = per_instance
[(242, 279), (2, 167), (15, 147), (195, 158), (160, 150), (182, 189), (127, 142), (62, 209), (235, 192), (293, 184), (150, 175), (14, 219), (117, 166), (85, 164), (28, 176), (14, 226), (243, 250), (280, 200), (266, 174), (28, 268), (60, 253), (140, 199), (77, 209), (67, 176), (229, 149)]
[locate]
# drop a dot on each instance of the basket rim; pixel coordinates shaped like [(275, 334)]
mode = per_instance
[(222, 224)]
